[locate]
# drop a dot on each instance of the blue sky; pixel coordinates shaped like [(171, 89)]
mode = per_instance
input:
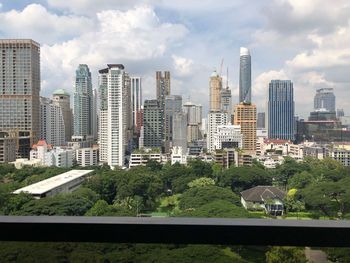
[(305, 41)]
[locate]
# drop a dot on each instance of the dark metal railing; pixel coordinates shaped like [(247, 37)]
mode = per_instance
[(176, 230)]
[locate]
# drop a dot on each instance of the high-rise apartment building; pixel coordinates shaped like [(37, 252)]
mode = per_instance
[(94, 115), (179, 135), (261, 120), (83, 104), (194, 113), (20, 91), (112, 128), (52, 126), (173, 104), (226, 101), (245, 78), (136, 101), (215, 87), (281, 123), (163, 90), (228, 136), (245, 116), (215, 119), (324, 99), (152, 124), (61, 98)]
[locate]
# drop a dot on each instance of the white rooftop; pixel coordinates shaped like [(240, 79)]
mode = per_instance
[(53, 182), (244, 51)]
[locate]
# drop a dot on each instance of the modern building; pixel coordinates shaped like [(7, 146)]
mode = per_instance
[(179, 138), (113, 114), (20, 91), (324, 99), (61, 98), (163, 90), (83, 102), (341, 155), (152, 124), (87, 156), (215, 87), (245, 78), (245, 116), (136, 101), (228, 136), (62, 183), (340, 113), (226, 101), (193, 133), (142, 156), (7, 147), (173, 105), (52, 126), (194, 113), (178, 156), (95, 111), (261, 120), (215, 119), (281, 123)]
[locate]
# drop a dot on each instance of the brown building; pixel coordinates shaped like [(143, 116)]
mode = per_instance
[(245, 116), (62, 98), (7, 147), (19, 91), (215, 87)]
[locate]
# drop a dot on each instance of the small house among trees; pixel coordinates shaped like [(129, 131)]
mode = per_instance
[(268, 198)]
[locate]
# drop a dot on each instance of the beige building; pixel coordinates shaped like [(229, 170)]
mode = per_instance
[(245, 116), (62, 98), (215, 87), (19, 99)]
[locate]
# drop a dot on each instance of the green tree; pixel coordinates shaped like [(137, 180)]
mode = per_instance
[(286, 255), (198, 196), (301, 180), (200, 182), (242, 178)]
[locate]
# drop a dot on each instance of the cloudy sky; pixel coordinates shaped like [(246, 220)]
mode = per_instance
[(305, 41)]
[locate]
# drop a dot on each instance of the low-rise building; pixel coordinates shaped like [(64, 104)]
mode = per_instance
[(62, 183), (142, 156), (178, 156), (340, 155), (265, 198), (87, 156)]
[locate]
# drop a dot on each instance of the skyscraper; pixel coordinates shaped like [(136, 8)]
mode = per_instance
[(324, 99), (163, 90), (83, 105), (52, 126), (136, 100), (179, 135), (245, 79), (261, 120), (20, 89), (152, 124), (245, 116), (215, 87), (215, 119), (281, 124), (112, 115), (94, 114), (226, 101), (173, 104), (61, 98)]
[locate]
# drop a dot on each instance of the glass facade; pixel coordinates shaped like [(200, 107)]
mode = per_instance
[(281, 124), (245, 76)]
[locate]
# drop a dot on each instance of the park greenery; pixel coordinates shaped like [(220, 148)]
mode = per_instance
[(315, 189)]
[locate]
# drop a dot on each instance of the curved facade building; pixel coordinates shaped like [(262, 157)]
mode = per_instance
[(245, 76)]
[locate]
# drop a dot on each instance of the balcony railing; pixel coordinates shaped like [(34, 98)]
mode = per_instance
[(320, 233)]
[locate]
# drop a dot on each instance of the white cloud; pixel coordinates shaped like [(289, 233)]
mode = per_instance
[(34, 21), (136, 35), (183, 66)]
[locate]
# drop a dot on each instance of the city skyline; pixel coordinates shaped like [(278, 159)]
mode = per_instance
[(186, 42)]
